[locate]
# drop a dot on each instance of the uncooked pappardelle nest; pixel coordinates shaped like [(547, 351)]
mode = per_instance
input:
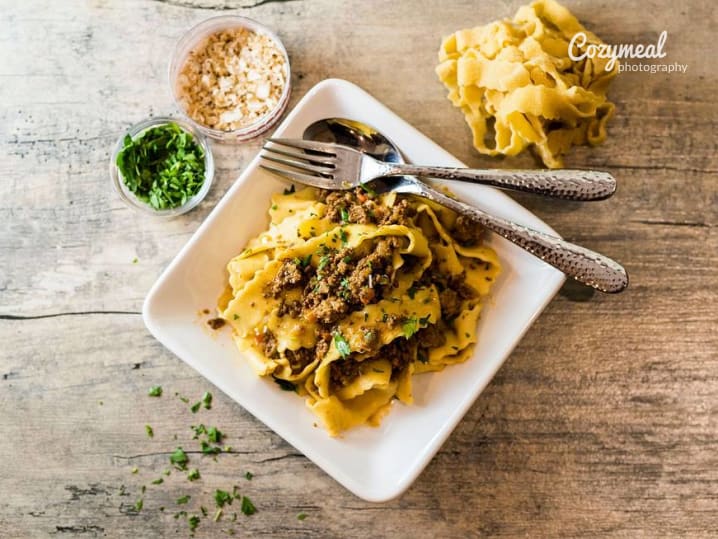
[(518, 87), (350, 293)]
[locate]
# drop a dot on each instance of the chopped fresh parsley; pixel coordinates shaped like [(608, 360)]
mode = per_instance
[(301, 516), (138, 505), (195, 407), (286, 385), (193, 474), (248, 476), (208, 449), (155, 391), (342, 346), (247, 506), (158, 481), (149, 431), (207, 400), (179, 459), (135, 469), (214, 435), (182, 500), (343, 236), (323, 261), (193, 522), (410, 327), (345, 215), (163, 166), (222, 497)]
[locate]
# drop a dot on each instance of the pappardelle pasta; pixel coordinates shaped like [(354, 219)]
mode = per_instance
[(349, 293), (518, 87)]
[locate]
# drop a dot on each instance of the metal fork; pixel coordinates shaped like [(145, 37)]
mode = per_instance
[(584, 265), (351, 168)]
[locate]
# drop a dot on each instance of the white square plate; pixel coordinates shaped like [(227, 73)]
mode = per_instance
[(376, 464)]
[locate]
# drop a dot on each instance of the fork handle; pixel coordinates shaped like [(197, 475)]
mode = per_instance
[(565, 183), (586, 266)]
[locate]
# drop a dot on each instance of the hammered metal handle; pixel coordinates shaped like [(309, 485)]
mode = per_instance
[(584, 265), (565, 184)]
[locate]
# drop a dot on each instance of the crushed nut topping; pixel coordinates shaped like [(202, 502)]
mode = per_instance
[(232, 79)]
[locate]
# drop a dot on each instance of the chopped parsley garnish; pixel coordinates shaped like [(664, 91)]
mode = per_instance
[(158, 481), (193, 522), (155, 391), (135, 469), (343, 235), (236, 316), (248, 476), (179, 459), (208, 449), (247, 506), (193, 474), (323, 261), (198, 430), (182, 500), (345, 215), (286, 385), (342, 346), (410, 327), (207, 400), (301, 516), (138, 505), (214, 435), (149, 431), (222, 497), (195, 407), (163, 166)]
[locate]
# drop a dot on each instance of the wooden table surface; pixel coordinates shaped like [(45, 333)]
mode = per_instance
[(604, 420)]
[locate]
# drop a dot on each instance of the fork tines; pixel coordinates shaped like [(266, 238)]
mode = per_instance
[(309, 162)]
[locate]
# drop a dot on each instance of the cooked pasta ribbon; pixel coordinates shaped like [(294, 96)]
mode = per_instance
[(518, 87), (347, 294)]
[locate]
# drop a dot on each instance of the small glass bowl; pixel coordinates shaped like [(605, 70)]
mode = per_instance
[(195, 36), (129, 197)]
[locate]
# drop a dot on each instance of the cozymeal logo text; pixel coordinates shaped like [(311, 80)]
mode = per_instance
[(579, 48)]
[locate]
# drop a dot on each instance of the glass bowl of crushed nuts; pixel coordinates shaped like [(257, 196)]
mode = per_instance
[(230, 77), (162, 166)]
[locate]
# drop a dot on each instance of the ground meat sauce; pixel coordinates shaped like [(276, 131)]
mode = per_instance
[(466, 231), (400, 352), (359, 207), (336, 281), (299, 359)]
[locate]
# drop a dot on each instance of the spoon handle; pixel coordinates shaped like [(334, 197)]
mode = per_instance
[(587, 267), (566, 184)]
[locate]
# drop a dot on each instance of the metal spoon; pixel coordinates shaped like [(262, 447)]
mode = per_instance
[(587, 267)]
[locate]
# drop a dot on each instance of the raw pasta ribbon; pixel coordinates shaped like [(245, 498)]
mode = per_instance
[(518, 87)]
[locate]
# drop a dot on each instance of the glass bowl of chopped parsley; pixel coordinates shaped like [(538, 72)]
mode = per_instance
[(162, 166)]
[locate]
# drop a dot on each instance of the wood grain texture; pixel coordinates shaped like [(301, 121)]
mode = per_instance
[(602, 423)]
